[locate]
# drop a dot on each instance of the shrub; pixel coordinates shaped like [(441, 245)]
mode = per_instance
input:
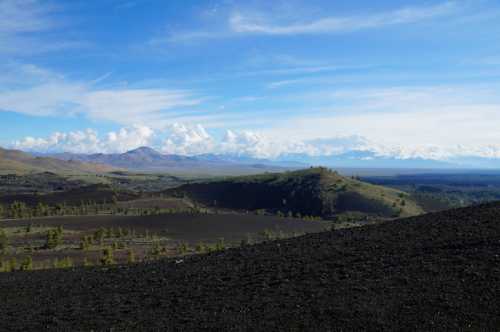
[(4, 241), (85, 243), (87, 262), (107, 257), (12, 264), (220, 245), (99, 235), (201, 248), (119, 232), (130, 256), (182, 248), (4, 266), (26, 264), (54, 238), (63, 263), (109, 233)]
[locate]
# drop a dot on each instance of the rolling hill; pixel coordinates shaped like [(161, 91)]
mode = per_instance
[(311, 192), (18, 162)]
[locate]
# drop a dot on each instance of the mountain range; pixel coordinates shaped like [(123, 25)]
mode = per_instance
[(146, 159)]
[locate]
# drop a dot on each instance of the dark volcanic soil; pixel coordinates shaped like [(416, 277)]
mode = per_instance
[(435, 272), (190, 228)]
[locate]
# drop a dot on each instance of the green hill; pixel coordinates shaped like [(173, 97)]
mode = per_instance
[(18, 162), (311, 192)]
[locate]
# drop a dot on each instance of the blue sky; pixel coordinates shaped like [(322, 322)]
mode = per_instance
[(267, 77)]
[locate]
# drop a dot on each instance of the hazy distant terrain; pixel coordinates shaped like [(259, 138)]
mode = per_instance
[(13, 161), (146, 159)]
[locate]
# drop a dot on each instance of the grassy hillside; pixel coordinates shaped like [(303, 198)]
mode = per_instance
[(312, 192), (18, 162)]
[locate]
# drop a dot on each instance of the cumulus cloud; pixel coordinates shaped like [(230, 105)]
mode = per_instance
[(89, 141), (194, 140), (185, 140)]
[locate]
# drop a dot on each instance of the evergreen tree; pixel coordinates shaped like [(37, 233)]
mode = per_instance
[(87, 262), (54, 238), (130, 256), (107, 257), (26, 264), (4, 241)]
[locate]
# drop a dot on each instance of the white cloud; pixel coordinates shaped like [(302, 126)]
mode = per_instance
[(23, 24), (89, 141), (17, 16), (241, 23), (274, 21), (185, 140), (35, 91), (194, 140)]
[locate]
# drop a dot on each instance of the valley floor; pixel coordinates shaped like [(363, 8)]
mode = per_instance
[(434, 272)]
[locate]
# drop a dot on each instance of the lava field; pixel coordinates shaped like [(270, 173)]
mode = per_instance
[(438, 271)]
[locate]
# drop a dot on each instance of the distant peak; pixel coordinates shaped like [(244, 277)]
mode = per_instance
[(144, 150)]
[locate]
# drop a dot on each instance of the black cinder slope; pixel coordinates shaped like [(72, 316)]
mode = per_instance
[(311, 192), (433, 272)]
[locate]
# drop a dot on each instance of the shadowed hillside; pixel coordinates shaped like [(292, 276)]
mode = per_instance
[(75, 196), (18, 162), (312, 192)]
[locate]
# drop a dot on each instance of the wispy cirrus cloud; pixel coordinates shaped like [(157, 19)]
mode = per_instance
[(19, 16), (259, 24), (24, 25), (239, 22), (32, 90)]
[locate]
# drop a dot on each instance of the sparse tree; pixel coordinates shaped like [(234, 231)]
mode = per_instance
[(87, 262), (26, 264), (107, 257), (63, 263), (12, 264), (85, 243), (201, 248), (220, 245), (130, 256), (4, 241), (99, 235), (182, 248), (54, 238)]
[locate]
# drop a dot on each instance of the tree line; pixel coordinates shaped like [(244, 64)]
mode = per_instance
[(21, 210)]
